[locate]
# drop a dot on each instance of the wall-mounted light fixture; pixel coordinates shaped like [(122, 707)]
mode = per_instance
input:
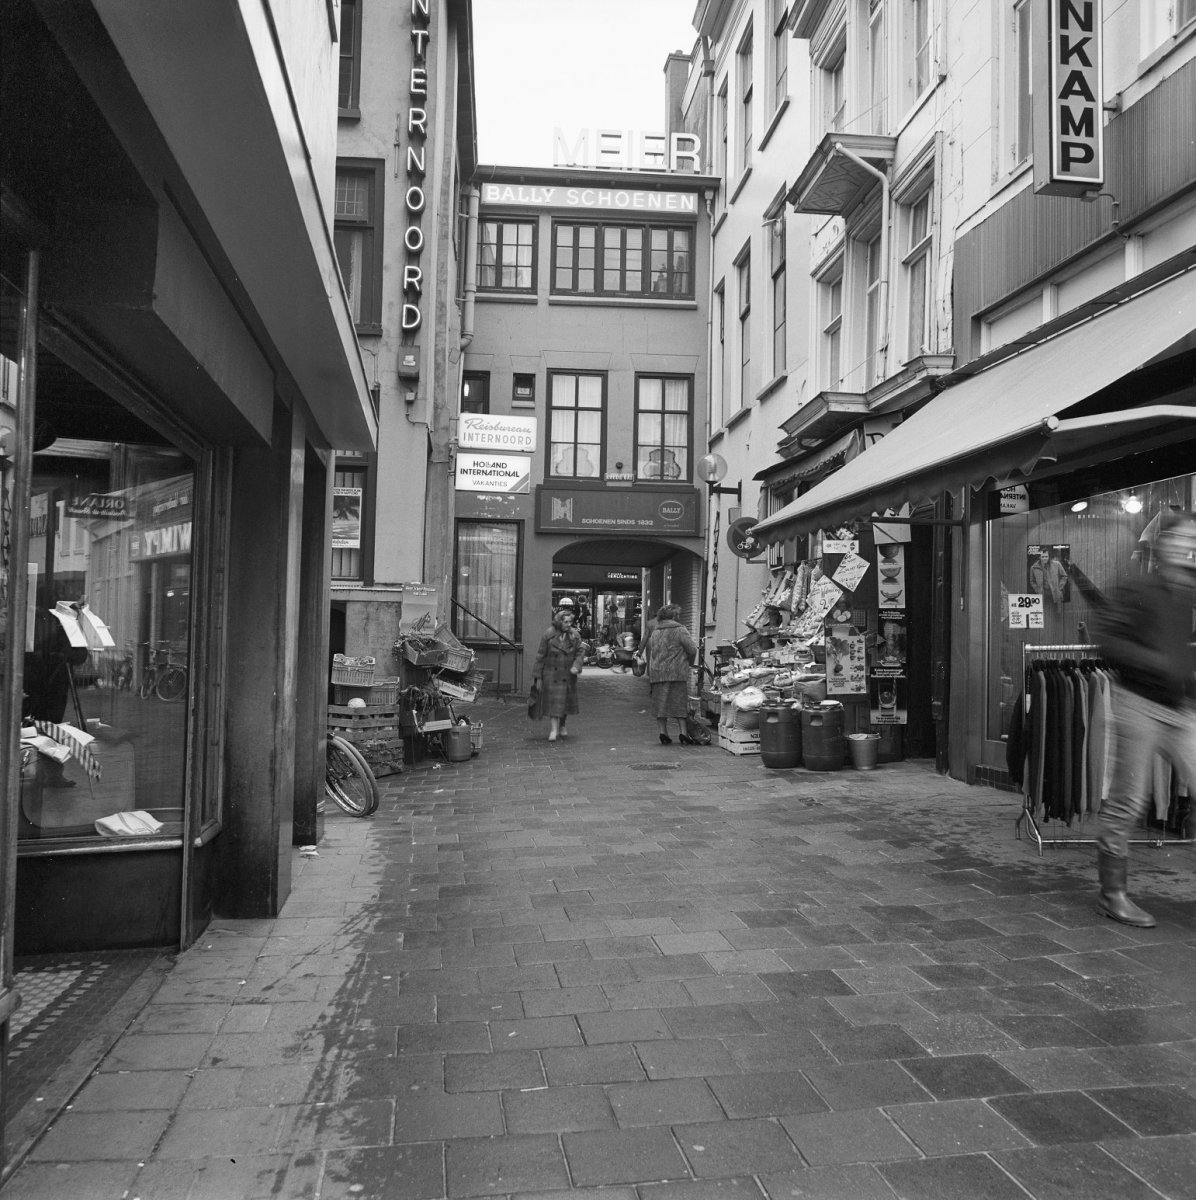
[(1132, 504), (712, 469), (1079, 506)]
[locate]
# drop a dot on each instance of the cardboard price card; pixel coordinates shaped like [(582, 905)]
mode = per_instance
[(1025, 611), (851, 570)]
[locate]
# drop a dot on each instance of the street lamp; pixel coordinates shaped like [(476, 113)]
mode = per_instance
[(712, 470)]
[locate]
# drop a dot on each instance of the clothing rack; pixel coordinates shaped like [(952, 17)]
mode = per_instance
[(1059, 653)]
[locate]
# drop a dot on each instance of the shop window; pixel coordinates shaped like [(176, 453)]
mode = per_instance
[(349, 49), (507, 256), (523, 391), (663, 428), (475, 392), (1065, 557), (111, 595), (358, 239), (622, 260), (348, 505), (488, 571), (575, 418)]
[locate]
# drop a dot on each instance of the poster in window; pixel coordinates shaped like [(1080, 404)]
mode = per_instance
[(346, 518), (1048, 572), (890, 565), (889, 700)]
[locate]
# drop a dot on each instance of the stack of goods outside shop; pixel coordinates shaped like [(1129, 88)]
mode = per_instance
[(820, 678), (397, 719)]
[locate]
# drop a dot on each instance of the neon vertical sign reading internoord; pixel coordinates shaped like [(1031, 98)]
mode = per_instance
[(417, 136)]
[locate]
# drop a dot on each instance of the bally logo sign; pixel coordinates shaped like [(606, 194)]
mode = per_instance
[(1069, 155)]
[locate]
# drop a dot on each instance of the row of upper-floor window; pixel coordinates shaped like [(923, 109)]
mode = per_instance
[(578, 433), (875, 60), (855, 341), (588, 258)]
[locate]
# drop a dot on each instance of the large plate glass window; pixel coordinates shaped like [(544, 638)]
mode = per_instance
[(112, 584), (488, 573)]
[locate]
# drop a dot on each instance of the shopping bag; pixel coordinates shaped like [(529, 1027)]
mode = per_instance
[(639, 664), (697, 731), (535, 701)]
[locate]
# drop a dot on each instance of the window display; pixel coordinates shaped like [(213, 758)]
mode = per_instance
[(1050, 568), (104, 712)]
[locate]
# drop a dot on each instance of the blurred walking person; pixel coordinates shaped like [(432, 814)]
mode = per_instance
[(555, 671), (671, 651)]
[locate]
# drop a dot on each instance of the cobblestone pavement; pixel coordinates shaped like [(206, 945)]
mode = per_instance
[(607, 969)]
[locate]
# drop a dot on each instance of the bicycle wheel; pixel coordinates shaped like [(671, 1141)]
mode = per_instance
[(172, 683), (148, 679), (348, 779)]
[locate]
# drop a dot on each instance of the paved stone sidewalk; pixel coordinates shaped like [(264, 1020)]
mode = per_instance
[(606, 969)]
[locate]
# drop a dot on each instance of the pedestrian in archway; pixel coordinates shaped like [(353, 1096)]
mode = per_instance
[(671, 651), (557, 666)]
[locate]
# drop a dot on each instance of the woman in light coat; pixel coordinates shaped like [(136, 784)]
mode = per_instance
[(671, 651), (557, 666)]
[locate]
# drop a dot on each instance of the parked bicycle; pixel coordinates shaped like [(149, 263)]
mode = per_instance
[(348, 780), (164, 676)]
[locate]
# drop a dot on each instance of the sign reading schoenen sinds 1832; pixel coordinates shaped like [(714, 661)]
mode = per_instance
[(1069, 158)]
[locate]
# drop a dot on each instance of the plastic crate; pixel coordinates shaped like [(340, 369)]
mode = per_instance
[(353, 670), (422, 652)]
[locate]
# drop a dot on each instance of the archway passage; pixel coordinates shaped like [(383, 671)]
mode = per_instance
[(616, 584)]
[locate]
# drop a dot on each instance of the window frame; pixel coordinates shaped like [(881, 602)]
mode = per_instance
[(780, 52), (501, 222), (350, 10), (369, 318), (352, 565), (647, 252), (745, 71), (918, 252), (869, 244), (528, 379), (779, 305), (743, 283), (878, 65), (552, 407), (830, 300), (686, 475), (484, 637), (482, 380)]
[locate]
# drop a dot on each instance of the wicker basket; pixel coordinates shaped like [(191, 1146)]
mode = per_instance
[(357, 671)]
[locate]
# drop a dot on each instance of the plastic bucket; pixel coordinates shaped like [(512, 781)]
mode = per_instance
[(780, 737), (863, 748), (458, 744), (822, 743)]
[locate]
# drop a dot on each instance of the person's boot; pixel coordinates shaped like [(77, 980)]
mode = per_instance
[(1113, 900)]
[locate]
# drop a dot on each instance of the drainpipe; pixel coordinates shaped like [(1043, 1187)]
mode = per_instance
[(883, 300), (471, 271)]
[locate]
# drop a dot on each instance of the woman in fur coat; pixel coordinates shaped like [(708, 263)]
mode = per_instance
[(557, 666), (671, 652)]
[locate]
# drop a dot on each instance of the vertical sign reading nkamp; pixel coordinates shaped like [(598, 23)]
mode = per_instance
[(1069, 157)]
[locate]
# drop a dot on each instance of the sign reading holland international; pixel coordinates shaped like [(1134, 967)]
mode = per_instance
[(617, 510), (1069, 157), (486, 431), (623, 199), (510, 473)]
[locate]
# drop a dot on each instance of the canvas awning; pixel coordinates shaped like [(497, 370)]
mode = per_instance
[(998, 424)]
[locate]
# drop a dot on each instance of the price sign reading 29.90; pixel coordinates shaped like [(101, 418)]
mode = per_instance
[(1025, 611)]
